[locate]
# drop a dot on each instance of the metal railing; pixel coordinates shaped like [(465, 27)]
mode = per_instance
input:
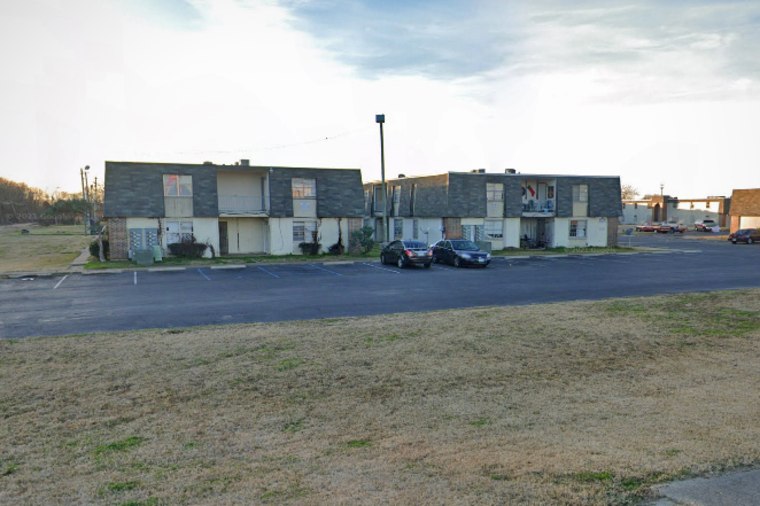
[(241, 204)]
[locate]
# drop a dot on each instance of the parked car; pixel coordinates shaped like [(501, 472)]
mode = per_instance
[(748, 235), (670, 228), (460, 252), (645, 228), (705, 225), (406, 253)]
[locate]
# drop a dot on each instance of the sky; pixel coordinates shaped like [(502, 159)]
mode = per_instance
[(658, 93)]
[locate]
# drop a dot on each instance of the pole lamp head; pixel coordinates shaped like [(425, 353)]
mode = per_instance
[(86, 167), (380, 118)]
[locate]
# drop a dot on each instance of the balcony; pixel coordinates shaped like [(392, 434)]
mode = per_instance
[(242, 205), (538, 208)]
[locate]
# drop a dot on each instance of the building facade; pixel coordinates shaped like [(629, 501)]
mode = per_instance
[(660, 208), (507, 210), (234, 209), (745, 209)]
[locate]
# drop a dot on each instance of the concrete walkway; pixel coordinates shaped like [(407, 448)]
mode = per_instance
[(737, 488)]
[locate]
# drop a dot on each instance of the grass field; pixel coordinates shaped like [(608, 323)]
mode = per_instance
[(45, 248), (576, 403)]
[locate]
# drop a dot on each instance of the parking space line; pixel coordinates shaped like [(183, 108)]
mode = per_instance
[(326, 270), (61, 281), (204, 275), (268, 272), (382, 268)]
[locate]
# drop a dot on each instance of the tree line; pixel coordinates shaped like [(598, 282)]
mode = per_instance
[(20, 203)]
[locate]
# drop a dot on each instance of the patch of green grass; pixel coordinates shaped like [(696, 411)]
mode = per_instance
[(672, 452), (122, 486), (293, 426), (359, 443), (189, 445), (594, 476), (480, 422), (9, 469), (289, 363), (119, 446)]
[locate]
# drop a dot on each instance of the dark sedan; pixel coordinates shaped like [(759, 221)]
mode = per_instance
[(406, 253), (459, 253), (748, 235)]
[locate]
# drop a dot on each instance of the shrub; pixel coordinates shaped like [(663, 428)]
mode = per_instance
[(337, 248), (95, 249), (188, 248), (310, 248), (362, 241)]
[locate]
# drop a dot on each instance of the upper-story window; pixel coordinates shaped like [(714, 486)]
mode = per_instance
[(178, 186), (304, 188), (580, 193), (494, 191)]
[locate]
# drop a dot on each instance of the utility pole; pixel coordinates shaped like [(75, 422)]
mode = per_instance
[(83, 178), (380, 118)]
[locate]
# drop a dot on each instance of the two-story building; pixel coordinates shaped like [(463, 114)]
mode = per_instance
[(508, 210), (235, 209), (745, 209)]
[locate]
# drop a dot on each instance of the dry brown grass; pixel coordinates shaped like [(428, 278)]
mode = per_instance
[(580, 403), (43, 249)]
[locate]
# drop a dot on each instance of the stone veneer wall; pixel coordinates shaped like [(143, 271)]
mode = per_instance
[(118, 241)]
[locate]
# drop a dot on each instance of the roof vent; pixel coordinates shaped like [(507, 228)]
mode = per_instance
[(245, 162), (401, 176), (510, 171)]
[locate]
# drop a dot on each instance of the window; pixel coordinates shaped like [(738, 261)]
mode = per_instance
[(304, 188), (580, 193), (578, 228), (178, 231), (494, 192), (396, 198), (472, 232), (550, 192), (178, 186), (304, 231), (378, 200), (494, 229), (398, 228), (415, 229)]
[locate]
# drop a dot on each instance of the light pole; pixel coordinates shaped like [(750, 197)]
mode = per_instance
[(380, 118), (83, 177)]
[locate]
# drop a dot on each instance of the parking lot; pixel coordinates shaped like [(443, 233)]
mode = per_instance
[(164, 298)]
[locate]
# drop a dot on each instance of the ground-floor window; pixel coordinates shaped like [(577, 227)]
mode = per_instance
[(578, 228), (178, 231), (305, 231), (398, 228), (472, 232), (494, 229)]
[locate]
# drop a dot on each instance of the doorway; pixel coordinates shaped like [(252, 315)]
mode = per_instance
[(224, 245)]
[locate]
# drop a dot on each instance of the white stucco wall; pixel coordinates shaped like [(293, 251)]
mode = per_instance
[(512, 233), (596, 232), (246, 235), (206, 230), (281, 236)]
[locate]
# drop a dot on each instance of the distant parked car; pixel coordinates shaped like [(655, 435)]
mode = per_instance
[(670, 228), (748, 235), (705, 225), (645, 228), (460, 252), (407, 253)]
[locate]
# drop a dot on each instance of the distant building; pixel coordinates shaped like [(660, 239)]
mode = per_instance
[(745, 209), (659, 208), (235, 209), (507, 210)]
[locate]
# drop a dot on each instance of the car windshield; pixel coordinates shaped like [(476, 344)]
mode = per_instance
[(415, 245), (464, 245)]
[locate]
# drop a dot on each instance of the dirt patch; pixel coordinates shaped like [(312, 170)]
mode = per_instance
[(579, 403)]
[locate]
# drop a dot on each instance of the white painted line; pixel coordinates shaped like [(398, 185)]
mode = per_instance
[(340, 262), (382, 268), (326, 270), (270, 273), (61, 281), (204, 275), (228, 267), (135, 282)]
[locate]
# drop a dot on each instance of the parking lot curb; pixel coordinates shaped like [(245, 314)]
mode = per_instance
[(104, 271), (228, 267), (166, 269)]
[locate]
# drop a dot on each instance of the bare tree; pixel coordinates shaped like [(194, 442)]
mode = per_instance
[(628, 192)]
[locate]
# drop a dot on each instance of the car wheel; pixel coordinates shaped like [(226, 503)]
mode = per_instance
[(435, 260), (457, 262), (382, 259), (400, 262), (427, 265), (734, 241)]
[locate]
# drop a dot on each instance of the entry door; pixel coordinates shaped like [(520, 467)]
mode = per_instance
[(224, 247)]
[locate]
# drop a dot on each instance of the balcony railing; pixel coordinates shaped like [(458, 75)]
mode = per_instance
[(241, 204), (539, 208)]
